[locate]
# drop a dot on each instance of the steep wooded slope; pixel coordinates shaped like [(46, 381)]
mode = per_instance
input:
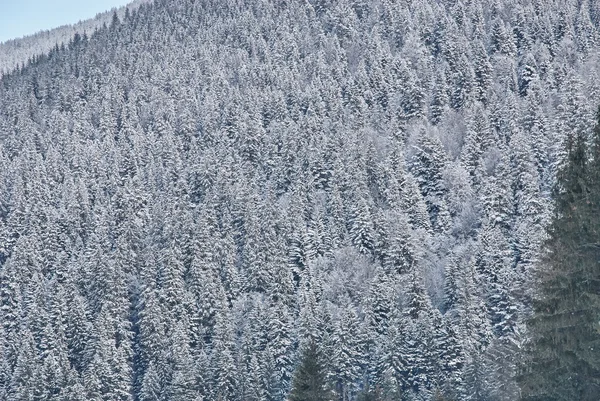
[(192, 194)]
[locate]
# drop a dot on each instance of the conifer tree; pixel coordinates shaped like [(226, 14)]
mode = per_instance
[(564, 348), (309, 379)]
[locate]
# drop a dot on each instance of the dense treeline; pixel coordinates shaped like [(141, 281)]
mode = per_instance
[(197, 195), (17, 52)]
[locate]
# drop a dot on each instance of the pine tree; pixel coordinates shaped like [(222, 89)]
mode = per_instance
[(361, 226), (483, 71), (346, 353), (527, 73), (224, 378), (564, 348), (427, 165), (440, 101), (309, 379), (279, 347)]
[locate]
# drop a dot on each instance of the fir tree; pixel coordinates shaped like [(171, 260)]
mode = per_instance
[(309, 379), (564, 346)]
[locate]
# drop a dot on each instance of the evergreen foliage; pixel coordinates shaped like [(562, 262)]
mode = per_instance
[(197, 191), (564, 353), (309, 379)]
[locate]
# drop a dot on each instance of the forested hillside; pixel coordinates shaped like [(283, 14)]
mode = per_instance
[(204, 195), (18, 52)]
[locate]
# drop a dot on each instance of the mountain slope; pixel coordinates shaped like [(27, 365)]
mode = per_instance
[(192, 194), (17, 52)]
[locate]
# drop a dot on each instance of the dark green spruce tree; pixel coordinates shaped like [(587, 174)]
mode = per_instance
[(309, 380), (563, 354)]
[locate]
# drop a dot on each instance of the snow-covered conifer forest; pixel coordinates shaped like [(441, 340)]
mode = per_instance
[(202, 194), (18, 52)]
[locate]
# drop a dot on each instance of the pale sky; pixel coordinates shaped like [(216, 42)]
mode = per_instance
[(25, 17)]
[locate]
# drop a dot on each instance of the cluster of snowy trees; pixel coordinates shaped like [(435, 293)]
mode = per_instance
[(200, 192), (20, 51)]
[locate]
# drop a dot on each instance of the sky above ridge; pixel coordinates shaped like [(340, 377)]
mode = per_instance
[(25, 17)]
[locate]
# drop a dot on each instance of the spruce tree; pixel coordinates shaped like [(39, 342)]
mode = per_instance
[(309, 379), (564, 348)]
